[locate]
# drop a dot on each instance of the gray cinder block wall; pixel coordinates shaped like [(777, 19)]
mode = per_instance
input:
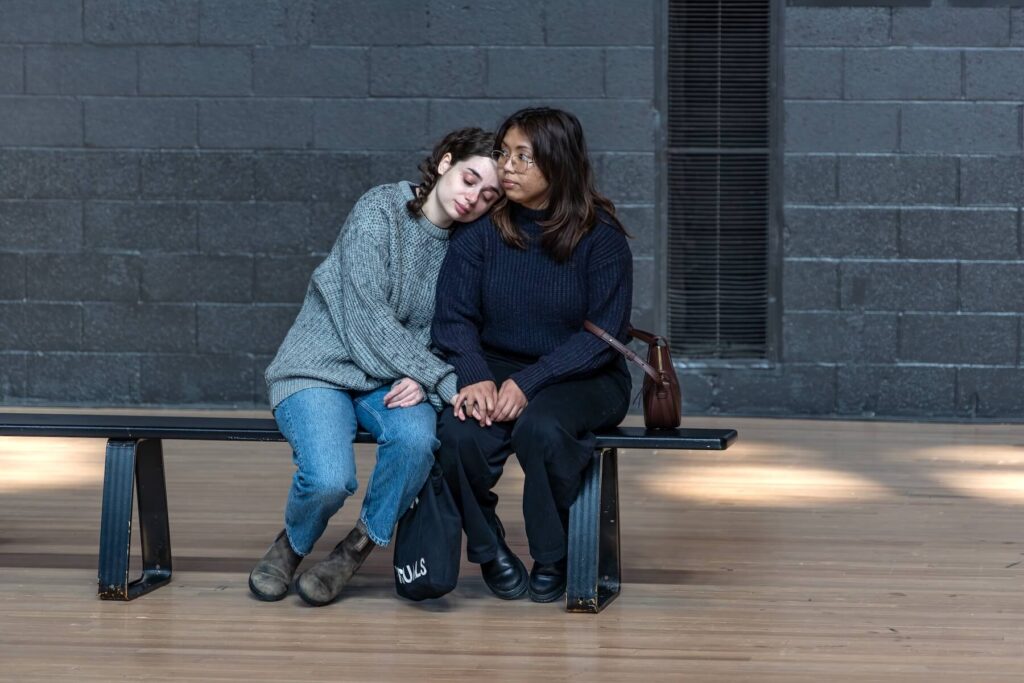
[(172, 170), (903, 269)]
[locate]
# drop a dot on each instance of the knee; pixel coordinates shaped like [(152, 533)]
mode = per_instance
[(537, 435), (335, 484)]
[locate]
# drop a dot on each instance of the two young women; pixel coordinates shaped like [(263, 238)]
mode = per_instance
[(520, 373)]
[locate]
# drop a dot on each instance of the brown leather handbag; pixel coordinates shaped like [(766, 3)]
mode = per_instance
[(663, 403)]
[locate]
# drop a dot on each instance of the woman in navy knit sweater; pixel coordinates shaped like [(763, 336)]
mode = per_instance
[(512, 296)]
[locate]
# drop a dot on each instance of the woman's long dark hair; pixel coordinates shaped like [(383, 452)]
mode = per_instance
[(461, 144), (560, 153)]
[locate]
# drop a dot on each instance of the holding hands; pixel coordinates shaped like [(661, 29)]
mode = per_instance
[(486, 404)]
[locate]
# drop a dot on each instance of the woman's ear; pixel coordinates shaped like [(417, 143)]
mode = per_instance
[(444, 164)]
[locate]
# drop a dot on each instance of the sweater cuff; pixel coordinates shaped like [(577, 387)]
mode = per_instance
[(471, 368), (447, 388), (531, 379)]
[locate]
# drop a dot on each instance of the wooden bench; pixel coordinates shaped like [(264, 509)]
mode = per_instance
[(134, 467)]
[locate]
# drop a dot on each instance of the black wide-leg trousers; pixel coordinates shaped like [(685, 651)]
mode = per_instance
[(553, 441)]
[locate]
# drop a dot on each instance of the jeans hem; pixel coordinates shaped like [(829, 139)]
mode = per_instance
[(377, 540)]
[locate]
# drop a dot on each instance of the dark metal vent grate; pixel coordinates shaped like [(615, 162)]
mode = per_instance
[(719, 109)]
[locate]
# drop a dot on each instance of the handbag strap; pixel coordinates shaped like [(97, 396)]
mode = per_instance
[(625, 351)]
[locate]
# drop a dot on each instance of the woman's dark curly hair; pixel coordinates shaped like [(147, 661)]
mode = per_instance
[(461, 144)]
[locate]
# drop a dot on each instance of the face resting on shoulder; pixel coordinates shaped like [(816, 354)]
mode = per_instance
[(522, 180), (466, 189)]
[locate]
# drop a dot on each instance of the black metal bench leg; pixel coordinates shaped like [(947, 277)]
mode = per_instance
[(140, 463), (595, 568)]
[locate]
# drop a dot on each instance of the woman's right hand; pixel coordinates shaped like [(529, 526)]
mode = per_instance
[(477, 401)]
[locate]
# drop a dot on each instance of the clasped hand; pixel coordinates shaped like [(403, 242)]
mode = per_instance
[(487, 404)]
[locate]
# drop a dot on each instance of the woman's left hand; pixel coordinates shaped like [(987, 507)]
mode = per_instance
[(511, 402), (404, 393)]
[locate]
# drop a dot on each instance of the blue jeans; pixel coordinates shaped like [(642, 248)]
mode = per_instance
[(320, 425)]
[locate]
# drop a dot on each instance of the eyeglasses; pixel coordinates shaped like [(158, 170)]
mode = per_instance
[(520, 160)]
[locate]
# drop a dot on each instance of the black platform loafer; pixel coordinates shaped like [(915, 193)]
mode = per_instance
[(506, 574), (547, 581)]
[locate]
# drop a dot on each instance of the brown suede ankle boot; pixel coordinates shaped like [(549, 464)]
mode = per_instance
[(324, 581), (272, 575)]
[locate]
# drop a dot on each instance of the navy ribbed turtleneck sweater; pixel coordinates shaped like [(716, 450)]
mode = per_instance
[(521, 301)]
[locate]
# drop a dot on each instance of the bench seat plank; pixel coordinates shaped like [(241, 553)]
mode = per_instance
[(73, 425)]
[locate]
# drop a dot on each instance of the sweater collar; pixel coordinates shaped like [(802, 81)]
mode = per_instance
[(521, 214), (408, 191)]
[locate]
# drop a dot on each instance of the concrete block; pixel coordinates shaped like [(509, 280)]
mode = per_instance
[(913, 74), (141, 122), (94, 378), (130, 22), (958, 339), (991, 180), (202, 175), (255, 228), (629, 177), (810, 285), (188, 278), (41, 21), (83, 277), (40, 121), (215, 71), (311, 72), (857, 127), (31, 326), (993, 74), (427, 72), (142, 226), (80, 70), (990, 392), (242, 22), (639, 221), (629, 72), (992, 287), (599, 22), (839, 337), (383, 22), (12, 277), (489, 22), (792, 389), (191, 379), (897, 179), (951, 26), (813, 73), (51, 225), (910, 391), (567, 72), (841, 232), (12, 70), (13, 377), (150, 328), (958, 233), (234, 328), (837, 26), (898, 286), (960, 128), (69, 174), (255, 123), (371, 124), (810, 178), (283, 280)]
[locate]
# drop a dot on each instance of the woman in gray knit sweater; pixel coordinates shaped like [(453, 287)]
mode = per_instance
[(359, 355)]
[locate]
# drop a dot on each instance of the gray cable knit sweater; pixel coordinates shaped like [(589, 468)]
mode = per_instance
[(366, 318)]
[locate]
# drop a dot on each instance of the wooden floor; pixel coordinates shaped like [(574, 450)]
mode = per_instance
[(810, 551)]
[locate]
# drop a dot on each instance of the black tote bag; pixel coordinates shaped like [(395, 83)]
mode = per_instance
[(428, 543)]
